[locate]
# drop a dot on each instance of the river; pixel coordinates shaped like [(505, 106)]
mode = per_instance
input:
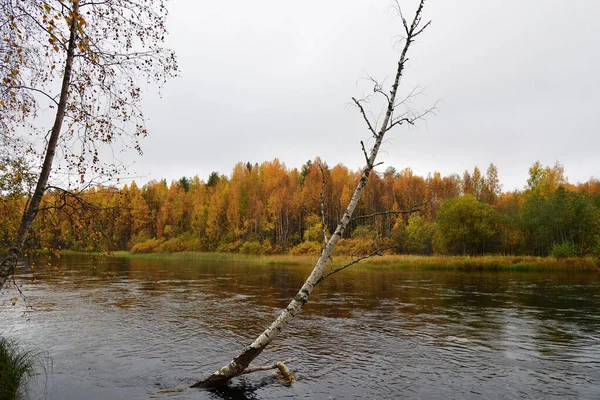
[(125, 329)]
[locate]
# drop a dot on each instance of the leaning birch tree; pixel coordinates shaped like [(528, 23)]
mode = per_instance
[(86, 61), (393, 117)]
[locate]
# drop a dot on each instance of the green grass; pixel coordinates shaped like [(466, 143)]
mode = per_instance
[(474, 263), (17, 367), (487, 262)]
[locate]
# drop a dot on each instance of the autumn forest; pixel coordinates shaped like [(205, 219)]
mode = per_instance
[(268, 208)]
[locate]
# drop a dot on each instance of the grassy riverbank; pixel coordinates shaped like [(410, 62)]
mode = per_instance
[(489, 262)]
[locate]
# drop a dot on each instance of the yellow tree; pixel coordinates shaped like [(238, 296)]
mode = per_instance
[(94, 52), (545, 180), (141, 226), (277, 194)]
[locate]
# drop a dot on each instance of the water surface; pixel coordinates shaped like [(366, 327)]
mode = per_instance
[(124, 329)]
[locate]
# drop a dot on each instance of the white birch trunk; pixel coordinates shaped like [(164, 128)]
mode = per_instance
[(8, 265), (237, 366)]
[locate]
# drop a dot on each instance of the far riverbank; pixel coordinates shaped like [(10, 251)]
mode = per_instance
[(476, 263)]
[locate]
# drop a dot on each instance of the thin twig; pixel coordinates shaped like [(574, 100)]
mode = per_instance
[(412, 209), (378, 252), (362, 111)]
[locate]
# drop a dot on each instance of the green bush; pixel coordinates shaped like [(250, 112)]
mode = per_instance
[(253, 248), (314, 229), (563, 250), (16, 368)]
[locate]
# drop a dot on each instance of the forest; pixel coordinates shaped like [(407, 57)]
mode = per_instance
[(268, 208)]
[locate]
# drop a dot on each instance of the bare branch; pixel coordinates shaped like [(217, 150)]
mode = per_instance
[(62, 202), (417, 33), (378, 87), (378, 252), (362, 145), (412, 209), (399, 9), (411, 119), (362, 111), (37, 91), (415, 92)]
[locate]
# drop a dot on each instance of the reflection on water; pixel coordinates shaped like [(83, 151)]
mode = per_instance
[(125, 329)]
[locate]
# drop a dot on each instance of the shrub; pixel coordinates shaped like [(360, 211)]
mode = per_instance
[(140, 237), (310, 248), (563, 250), (253, 248), (184, 242), (149, 246), (267, 247), (314, 229), (229, 247)]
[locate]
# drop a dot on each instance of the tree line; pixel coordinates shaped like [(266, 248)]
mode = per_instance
[(269, 208)]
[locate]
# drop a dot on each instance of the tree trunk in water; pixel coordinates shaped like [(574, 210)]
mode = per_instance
[(237, 366), (10, 261), (241, 362)]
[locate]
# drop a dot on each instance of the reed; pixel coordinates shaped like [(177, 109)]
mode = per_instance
[(17, 367)]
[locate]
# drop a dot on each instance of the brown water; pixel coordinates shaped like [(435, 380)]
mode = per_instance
[(125, 329)]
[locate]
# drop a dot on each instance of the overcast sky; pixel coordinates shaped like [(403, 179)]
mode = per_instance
[(517, 82)]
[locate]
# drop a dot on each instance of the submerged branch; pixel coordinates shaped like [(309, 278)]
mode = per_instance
[(285, 374)]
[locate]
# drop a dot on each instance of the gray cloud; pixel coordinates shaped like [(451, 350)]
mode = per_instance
[(517, 82)]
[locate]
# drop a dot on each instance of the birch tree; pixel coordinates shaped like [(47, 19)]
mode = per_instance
[(392, 118), (86, 60)]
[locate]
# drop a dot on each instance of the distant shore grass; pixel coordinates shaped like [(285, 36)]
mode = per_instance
[(474, 263)]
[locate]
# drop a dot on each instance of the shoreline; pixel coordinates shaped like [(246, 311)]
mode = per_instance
[(467, 263)]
